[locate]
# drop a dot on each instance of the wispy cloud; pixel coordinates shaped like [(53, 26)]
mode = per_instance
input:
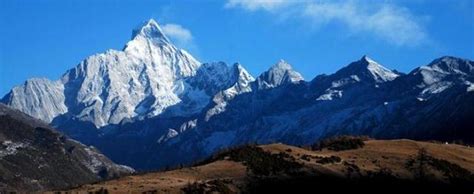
[(253, 5), (178, 33), (387, 21)]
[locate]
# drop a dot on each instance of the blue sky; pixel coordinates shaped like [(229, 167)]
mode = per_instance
[(45, 38)]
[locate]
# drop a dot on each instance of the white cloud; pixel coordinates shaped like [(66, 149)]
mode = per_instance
[(392, 23), (389, 22), (253, 5), (181, 37), (177, 33)]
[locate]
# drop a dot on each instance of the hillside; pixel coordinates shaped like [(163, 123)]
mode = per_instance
[(35, 157), (389, 164)]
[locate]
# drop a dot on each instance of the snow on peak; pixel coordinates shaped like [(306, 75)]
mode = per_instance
[(440, 68), (282, 64), (242, 74), (454, 65), (215, 76), (278, 74), (369, 69), (470, 87), (150, 30), (380, 73), (367, 59), (149, 43), (144, 79), (242, 81), (38, 97)]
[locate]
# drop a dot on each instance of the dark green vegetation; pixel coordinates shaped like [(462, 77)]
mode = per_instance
[(260, 162), (380, 166), (223, 186), (282, 173), (340, 143), (423, 161), (459, 179), (329, 160), (100, 191), (321, 160)]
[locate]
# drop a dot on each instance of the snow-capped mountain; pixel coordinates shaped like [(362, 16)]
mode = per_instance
[(150, 76), (278, 74), (441, 74), (363, 98), (241, 84), (153, 105), (41, 98), (363, 71), (142, 80)]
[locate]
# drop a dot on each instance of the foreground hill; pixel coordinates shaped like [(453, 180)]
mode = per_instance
[(34, 157), (396, 164)]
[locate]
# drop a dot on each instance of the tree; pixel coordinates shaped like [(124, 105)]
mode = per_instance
[(421, 162)]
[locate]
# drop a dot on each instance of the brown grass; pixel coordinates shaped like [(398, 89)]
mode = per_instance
[(375, 156)]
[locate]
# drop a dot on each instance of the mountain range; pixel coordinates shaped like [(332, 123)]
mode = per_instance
[(152, 105)]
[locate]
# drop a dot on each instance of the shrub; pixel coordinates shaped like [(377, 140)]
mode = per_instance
[(194, 188), (329, 160), (306, 157), (382, 173), (101, 191), (352, 169), (213, 186), (340, 143), (422, 161), (450, 170), (418, 165), (260, 162)]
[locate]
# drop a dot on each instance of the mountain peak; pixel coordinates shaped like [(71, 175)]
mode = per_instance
[(115, 85), (367, 67), (242, 73), (367, 59), (450, 64), (150, 30), (281, 65), (280, 73)]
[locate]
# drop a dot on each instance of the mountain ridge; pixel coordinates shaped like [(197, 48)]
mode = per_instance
[(157, 97)]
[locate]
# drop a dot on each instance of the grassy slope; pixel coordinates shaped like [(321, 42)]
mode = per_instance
[(375, 156)]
